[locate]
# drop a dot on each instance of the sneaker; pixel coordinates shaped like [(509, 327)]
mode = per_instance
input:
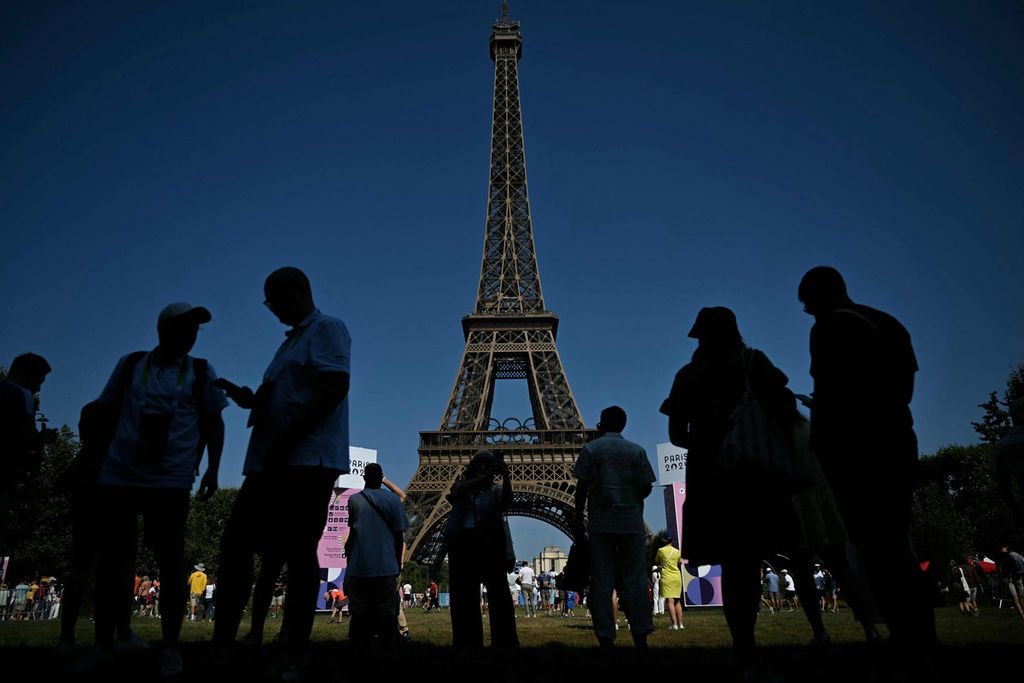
[(170, 663), (134, 643)]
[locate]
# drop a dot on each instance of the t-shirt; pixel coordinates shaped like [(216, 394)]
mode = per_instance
[(155, 392), (618, 476), (526, 576), (772, 579), (210, 588), (373, 547), (790, 584)]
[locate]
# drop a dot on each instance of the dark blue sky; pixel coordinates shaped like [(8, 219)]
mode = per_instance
[(679, 155)]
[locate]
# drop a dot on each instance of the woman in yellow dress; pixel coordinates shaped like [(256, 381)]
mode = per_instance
[(669, 561)]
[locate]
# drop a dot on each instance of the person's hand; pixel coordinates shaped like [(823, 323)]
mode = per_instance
[(208, 486), (242, 396)]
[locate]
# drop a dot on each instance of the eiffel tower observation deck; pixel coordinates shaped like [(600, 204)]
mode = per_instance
[(510, 335)]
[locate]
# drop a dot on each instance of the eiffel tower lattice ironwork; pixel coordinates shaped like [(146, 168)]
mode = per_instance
[(510, 335)]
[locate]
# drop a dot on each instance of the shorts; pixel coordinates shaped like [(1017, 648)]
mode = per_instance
[(277, 601), (196, 599), (1016, 586)]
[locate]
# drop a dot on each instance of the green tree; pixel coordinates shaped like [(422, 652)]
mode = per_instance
[(205, 526), (995, 422), (958, 508), (40, 531)]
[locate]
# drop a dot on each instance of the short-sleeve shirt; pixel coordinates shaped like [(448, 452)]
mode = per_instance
[(773, 582), (617, 473), (158, 389), (319, 344), (373, 552), (526, 576)]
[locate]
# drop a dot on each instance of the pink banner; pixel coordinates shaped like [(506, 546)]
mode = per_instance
[(331, 549)]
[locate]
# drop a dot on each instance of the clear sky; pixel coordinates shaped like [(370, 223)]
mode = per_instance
[(679, 154)]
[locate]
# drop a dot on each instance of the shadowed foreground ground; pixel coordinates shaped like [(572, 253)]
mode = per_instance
[(553, 649)]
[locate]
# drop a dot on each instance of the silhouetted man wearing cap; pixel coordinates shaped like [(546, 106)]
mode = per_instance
[(863, 367), (20, 441), (613, 478), (167, 410), (298, 447)]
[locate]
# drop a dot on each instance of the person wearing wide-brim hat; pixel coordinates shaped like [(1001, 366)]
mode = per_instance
[(717, 525)]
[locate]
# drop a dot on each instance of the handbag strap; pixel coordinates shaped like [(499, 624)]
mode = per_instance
[(375, 508)]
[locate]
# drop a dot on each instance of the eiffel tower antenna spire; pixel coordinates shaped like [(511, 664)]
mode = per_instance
[(509, 335)]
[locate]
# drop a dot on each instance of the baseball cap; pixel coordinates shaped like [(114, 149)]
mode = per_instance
[(180, 308)]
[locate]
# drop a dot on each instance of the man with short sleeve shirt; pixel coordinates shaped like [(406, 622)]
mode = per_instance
[(168, 412), (613, 478), (298, 447), (375, 550)]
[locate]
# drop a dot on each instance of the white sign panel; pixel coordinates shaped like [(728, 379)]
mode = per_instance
[(671, 464), (358, 459)]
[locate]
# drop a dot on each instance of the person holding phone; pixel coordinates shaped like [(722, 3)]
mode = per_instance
[(297, 448)]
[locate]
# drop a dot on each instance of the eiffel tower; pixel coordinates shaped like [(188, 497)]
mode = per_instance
[(510, 335)]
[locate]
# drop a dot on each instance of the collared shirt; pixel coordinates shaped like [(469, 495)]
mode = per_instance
[(158, 389), (318, 345), (373, 552), (617, 473)]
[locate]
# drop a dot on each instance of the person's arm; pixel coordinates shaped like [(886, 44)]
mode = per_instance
[(214, 425), (466, 487), (674, 407), (399, 539), (582, 488), (394, 489), (506, 487)]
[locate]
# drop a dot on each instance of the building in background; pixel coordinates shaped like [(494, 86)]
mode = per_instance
[(552, 559)]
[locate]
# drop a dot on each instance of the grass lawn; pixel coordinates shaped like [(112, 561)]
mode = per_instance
[(552, 644)]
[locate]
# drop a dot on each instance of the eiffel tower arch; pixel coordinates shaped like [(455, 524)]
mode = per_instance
[(509, 336)]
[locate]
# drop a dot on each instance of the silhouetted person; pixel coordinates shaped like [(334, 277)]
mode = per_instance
[(168, 409), (262, 594), (20, 441), (476, 554), (723, 516), (95, 431), (1009, 470), (298, 447), (375, 549), (613, 476), (863, 367)]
